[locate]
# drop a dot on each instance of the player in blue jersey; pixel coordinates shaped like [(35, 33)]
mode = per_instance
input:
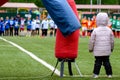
[(7, 26), (12, 22), (2, 27), (29, 25), (16, 27)]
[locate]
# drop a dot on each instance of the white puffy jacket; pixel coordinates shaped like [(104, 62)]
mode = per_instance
[(102, 38)]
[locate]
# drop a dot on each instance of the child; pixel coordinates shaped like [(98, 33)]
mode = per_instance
[(22, 24), (33, 26), (2, 27), (29, 23), (117, 29), (52, 25), (114, 20), (44, 25), (84, 26), (102, 44), (16, 28), (89, 27), (7, 26), (37, 25), (12, 23)]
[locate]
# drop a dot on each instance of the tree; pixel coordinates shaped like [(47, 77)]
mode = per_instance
[(95, 1), (39, 3)]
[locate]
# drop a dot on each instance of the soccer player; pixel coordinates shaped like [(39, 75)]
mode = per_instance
[(52, 26), (118, 28), (29, 23), (33, 27), (37, 25), (94, 22), (16, 28), (22, 24), (89, 27), (110, 22), (12, 23), (7, 26), (44, 25), (114, 25), (84, 26), (2, 27)]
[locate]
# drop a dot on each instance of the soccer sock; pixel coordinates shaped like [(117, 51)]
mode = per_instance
[(83, 33), (118, 34)]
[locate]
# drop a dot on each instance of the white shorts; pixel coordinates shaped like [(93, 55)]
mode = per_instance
[(84, 29)]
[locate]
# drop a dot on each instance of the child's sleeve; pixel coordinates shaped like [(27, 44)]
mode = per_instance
[(112, 41), (91, 42)]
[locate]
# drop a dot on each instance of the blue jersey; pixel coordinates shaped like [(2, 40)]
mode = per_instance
[(7, 24), (16, 24), (2, 28), (29, 23), (11, 23)]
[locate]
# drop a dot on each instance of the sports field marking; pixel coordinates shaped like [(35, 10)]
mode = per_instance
[(6, 45), (57, 72), (90, 76)]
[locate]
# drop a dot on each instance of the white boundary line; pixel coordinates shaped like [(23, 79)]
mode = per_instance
[(6, 45), (57, 72)]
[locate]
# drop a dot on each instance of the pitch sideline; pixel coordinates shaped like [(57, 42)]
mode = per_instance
[(57, 72)]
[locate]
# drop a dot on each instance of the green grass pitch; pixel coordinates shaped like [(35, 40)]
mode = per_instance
[(16, 65)]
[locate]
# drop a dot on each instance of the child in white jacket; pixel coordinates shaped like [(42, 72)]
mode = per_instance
[(102, 44)]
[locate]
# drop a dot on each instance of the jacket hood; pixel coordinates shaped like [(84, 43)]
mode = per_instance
[(102, 19)]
